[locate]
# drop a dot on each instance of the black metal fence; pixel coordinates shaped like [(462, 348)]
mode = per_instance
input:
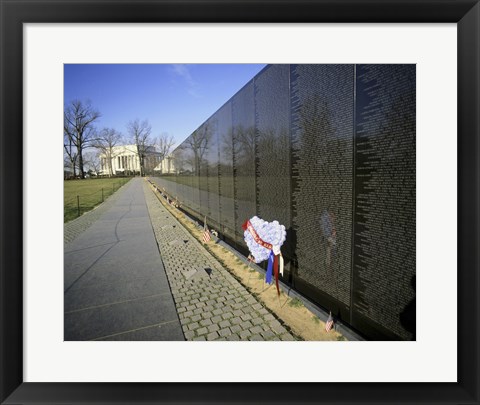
[(79, 203)]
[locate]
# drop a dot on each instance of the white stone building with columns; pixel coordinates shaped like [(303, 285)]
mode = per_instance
[(167, 165), (125, 160)]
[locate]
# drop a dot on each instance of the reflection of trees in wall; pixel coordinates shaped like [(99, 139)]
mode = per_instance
[(226, 149), (197, 144), (225, 167), (211, 171), (212, 153), (226, 164), (244, 141), (188, 165), (179, 160), (244, 161), (206, 134), (194, 149)]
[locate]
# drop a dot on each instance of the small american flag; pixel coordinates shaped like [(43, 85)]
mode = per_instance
[(329, 324), (206, 233)]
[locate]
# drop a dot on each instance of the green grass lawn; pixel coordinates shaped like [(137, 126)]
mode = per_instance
[(89, 192)]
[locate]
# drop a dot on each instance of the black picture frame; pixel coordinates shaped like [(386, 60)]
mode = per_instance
[(465, 13)]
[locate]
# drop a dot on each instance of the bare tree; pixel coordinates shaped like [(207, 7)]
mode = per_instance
[(139, 133), (78, 128), (91, 162), (70, 154), (106, 141), (164, 145)]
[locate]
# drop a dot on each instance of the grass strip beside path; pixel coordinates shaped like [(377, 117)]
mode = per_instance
[(89, 192)]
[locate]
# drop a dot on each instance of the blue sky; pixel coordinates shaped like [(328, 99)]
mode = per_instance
[(175, 99)]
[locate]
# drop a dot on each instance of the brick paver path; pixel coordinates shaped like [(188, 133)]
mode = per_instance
[(211, 303)]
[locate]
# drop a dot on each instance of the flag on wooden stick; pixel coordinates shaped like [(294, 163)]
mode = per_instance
[(206, 233), (329, 324)]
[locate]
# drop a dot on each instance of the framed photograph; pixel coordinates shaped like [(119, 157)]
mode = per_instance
[(440, 365)]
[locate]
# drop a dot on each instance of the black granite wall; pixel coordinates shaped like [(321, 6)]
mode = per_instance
[(328, 151)]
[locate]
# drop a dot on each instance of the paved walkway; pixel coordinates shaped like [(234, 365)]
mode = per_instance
[(114, 281), (116, 285)]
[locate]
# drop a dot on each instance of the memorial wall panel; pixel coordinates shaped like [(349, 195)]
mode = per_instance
[(204, 135), (322, 151), (183, 160), (385, 152), (197, 148), (225, 144), (211, 157), (272, 136), (192, 178), (243, 120)]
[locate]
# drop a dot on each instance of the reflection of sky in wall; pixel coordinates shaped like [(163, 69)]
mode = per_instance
[(175, 99)]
